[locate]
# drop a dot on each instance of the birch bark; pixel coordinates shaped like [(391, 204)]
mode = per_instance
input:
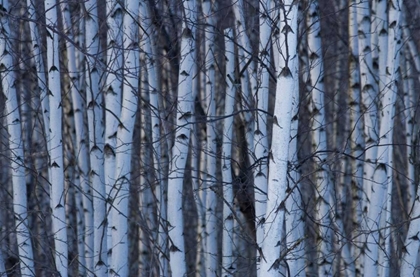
[(381, 179), (295, 232), (96, 140), (211, 151), (359, 64), (261, 131), (113, 89), (248, 77), (16, 146), (319, 143), (228, 268), (150, 48), (287, 84), (56, 150), (367, 46), (185, 104), (119, 265), (81, 148)]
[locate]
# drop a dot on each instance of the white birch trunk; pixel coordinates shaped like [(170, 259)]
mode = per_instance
[(150, 49), (81, 148), (261, 131), (200, 190), (369, 109), (40, 69), (319, 143), (199, 164), (96, 141), (14, 125), (56, 150), (379, 196), (119, 265), (359, 23), (44, 99), (211, 151), (374, 40), (185, 108), (228, 268), (248, 77), (287, 84), (381, 31), (113, 89), (295, 226)]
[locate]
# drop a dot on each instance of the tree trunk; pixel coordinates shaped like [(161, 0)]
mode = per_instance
[(16, 146), (96, 141), (228, 268), (56, 152), (119, 264), (113, 89), (319, 144), (287, 85), (379, 196), (185, 108)]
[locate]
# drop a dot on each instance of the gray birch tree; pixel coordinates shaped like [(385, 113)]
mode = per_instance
[(56, 140), (319, 143), (16, 146), (379, 196), (287, 84), (211, 151), (112, 97), (185, 109), (261, 131), (96, 141), (228, 267), (119, 264)]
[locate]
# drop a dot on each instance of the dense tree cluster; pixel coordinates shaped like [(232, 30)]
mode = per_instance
[(209, 138)]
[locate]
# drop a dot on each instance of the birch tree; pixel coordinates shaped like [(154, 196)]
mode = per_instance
[(113, 88), (294, 221), (261, 130), (150, 48), (287, 84), (81, 148), (14, 125), (228, 268), (119, 265), (185, 108), (319, 143), (96, 141), (210, 98), (56, 140), (356, 126), (249, 78), (379, 195), (369, 108)]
